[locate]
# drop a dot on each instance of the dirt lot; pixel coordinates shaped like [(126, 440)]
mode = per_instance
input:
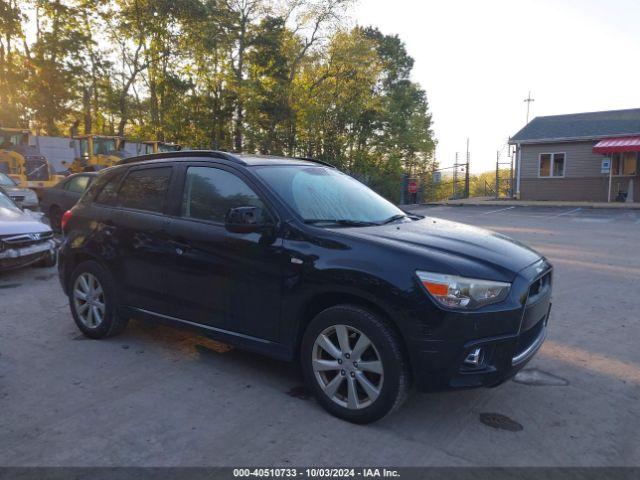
[(154, 396)]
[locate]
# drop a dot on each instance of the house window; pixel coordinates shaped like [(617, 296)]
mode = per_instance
[(551, 165), (624, 163)]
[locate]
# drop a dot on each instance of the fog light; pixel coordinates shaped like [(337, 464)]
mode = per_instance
[(474, 359)]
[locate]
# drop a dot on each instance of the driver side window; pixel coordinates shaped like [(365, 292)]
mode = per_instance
[(210, 192)]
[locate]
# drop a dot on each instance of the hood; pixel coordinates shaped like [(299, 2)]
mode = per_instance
[(453, 247), (26, 150), (16, 222), (13, 191)]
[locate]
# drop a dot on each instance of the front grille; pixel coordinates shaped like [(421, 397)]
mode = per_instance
[(539, 287), (17, 198), (24, 240)]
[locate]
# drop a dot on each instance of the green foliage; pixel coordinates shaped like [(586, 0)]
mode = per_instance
[(480, 185), (264, 76)]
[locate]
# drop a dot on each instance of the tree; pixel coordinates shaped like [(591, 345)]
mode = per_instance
[(266, 76), (55, 63), (12, 71)]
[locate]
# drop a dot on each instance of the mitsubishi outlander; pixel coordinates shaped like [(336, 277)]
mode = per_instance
[(294, 259)]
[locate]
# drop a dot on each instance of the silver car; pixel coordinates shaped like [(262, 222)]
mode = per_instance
[(24, 238), (23, 197)]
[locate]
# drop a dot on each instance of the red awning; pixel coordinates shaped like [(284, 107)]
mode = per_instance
[(620, 144)]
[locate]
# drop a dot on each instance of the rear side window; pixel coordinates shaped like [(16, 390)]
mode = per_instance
[(77, 184), (145, 189), (209, 193), (107, 187)]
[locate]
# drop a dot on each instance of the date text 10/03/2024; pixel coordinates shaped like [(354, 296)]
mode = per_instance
[(317, 472)]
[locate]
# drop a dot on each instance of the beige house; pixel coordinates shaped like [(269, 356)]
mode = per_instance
[(584, 156)]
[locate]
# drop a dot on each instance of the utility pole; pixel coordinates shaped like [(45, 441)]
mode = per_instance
[(528, 101), (498, 174), (466, 175), (455, 177), (512, 154)]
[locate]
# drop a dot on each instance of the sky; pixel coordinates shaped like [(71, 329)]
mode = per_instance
[(478, 59)]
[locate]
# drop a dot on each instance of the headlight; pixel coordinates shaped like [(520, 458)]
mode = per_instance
[(461, 292), (30, 196)]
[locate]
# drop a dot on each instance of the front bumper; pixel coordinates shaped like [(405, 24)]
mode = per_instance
[(444, 364), (11, 258)]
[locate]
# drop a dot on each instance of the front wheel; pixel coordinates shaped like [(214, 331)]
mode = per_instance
[(353, 362)]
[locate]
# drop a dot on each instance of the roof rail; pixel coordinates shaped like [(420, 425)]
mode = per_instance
[(204, 153), (315, 160), (181, 153)]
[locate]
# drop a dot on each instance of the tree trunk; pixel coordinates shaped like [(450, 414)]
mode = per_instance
[(238, 128), (86, 105)]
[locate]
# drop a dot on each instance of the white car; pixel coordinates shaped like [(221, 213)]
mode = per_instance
[(24, 238), (23, 197)]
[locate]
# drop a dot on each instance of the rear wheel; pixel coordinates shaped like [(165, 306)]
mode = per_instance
[(353, 362), (93, 301)]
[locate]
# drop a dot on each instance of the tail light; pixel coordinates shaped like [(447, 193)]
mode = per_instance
[(65, 219)]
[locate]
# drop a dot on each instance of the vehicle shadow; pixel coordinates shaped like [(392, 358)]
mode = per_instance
[(212, 353), (442, 411)]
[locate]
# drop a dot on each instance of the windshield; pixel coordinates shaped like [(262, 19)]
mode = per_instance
[(104, 146), (6, 181), (37, 168), (320, 194), (8, 140)]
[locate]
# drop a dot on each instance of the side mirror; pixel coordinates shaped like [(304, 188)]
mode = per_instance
[(246, 220)]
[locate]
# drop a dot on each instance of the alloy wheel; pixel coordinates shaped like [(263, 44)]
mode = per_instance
[(88, 299), (347, 366)]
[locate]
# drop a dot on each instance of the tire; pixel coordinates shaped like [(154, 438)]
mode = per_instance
[(387, 369), (49, 260), (55, 218), (100, 287)]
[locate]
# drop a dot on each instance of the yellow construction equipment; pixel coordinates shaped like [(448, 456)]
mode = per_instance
[(23, 162), (95, 152), (155, 146)]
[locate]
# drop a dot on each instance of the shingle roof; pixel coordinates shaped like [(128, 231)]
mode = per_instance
[(590, 125)]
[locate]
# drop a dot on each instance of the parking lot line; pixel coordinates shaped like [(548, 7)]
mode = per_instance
[(499, 210), (569, 212), (593, 220)]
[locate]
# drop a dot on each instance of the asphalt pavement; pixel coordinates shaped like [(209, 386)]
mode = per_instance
[(160, 397)]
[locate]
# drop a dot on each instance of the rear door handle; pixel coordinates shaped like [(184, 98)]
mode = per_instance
[(181, 247), (108, 228)]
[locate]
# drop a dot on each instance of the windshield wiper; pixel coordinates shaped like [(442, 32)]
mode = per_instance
[(37, 169), (393, 218), (340, 221)]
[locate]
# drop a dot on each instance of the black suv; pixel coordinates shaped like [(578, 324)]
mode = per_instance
[(294, 259)]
